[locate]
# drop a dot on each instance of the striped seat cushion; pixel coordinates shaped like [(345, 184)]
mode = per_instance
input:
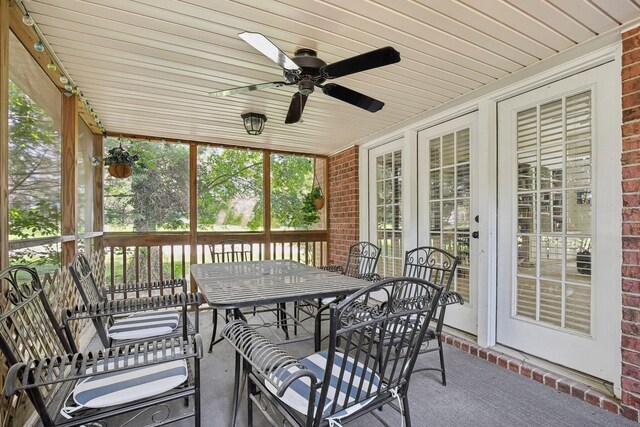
[(297, 394), (144, 325), (120, 387)]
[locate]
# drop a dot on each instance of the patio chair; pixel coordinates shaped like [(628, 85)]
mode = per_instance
[(229, 250), (162, 312), (67, 387), (354, 375), (439, 267), (361, 263)]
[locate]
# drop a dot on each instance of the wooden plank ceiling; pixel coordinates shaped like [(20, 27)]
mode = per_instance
[(147, 66)]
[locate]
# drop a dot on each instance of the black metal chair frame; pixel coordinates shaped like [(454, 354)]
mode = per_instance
[(402, 318), (168, 294), (362, 261), (437, 266), (45, 366)]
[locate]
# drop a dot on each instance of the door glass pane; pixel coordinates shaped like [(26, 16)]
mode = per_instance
[(389, 213), (553, 275), (450, 200)]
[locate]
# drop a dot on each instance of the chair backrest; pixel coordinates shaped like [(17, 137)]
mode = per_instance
[(435, 265), (231, 250), (28, 327), (358, 327), (362, 260), (432, 264)]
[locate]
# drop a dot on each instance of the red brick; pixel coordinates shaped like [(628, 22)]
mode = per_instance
[(630, 57), (630, 315), (473, 350), (631, 357), (631, 113), (514, 366), (482, 353), (537, 375), (492, 357), (525, 370), (630, 399), (629, 370), (628, 101), (631, 200), (630, 72), (631, 328), (629, 242), (550, 380), (631, 186), (629, 413), (631, 285), (630, 271), (631, 157), (564, 385), (610, 405), (593, 398), (464, 346), (630, 86), (630, 33), (631, 143), (630, 172), (629, 300), (630, 385), (578, 390)]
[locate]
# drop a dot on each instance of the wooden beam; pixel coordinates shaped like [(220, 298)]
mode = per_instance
[(4, 133), (215, 144), (69, 175), (98, 196), (28, 37), (266, 188), (193, 207)]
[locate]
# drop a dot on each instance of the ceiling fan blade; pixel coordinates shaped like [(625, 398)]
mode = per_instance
[(268, 49), (366, 61), (295, 108), (249, 88), (352, 97)]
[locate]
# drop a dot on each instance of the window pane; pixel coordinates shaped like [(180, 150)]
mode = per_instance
[(230, 196), (292, 179), (34, 148), (155, 199)]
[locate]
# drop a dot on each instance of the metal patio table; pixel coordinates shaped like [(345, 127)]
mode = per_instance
[(235, 285)]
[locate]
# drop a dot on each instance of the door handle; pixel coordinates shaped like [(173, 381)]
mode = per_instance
[(475, 234)]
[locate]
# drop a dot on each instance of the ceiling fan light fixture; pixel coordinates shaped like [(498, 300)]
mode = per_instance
[(254, 123)]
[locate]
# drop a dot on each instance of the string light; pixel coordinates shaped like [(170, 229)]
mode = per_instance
[(54, 64)]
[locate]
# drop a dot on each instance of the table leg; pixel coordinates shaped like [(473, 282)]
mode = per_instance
[(282, 319)]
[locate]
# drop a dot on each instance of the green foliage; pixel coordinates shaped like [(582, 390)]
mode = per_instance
[(120, 155), (310, 213)]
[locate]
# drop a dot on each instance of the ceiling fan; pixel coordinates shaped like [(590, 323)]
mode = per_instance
[(307, 71)]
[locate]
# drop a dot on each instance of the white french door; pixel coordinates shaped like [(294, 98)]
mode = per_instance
[(447, 207), (558, 223), (386, 218)]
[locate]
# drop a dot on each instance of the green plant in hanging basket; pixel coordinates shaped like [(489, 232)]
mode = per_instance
[(312, 202), (120, 162)]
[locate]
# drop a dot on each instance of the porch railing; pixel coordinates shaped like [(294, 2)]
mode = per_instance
[(146, 257)]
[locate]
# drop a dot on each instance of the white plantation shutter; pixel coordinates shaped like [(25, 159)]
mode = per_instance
[(554, 210)]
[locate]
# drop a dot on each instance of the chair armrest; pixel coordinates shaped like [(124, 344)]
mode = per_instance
[(334, 268), (176, 285), (131, 305), (71, 367), (449, 298), (269, 360)]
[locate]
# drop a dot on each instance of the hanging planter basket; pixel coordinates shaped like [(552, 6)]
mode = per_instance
[(319, 203), (120, 170)]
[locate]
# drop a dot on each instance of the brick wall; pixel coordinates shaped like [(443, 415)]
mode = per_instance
[(343, 204), (631, 224)]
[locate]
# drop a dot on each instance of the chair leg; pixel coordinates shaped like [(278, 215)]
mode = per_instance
[(251, 389), (215, 327), (236, 390), (441, 351), (405, 407)]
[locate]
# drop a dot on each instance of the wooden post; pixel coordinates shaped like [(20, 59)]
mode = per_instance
[(266, 188), (98, 196), (69, 175), (193, 207), (4, 133)]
